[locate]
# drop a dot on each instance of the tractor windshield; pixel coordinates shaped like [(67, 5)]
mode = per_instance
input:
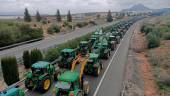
[(90, 62), (37, 71), (82, 45), (65, 54)]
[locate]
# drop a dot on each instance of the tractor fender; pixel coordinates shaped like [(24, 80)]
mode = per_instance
[(42, 76)]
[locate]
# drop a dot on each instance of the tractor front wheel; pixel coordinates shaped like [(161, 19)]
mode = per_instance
[(97, 71), (45, 84), (29, 84)]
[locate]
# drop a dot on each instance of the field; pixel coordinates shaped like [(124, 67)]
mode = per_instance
[(159, 56)]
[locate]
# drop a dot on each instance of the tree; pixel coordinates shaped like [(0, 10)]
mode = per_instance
[(58, 16), (38, 16), (27, 16), (35, 55), (26, 59), (10, 70), (69, 17), (109, 17), (98, 16)]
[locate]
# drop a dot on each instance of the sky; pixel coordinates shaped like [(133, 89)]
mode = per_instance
[(76, 6)]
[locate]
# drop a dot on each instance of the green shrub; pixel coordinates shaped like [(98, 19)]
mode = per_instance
[(81, 24), (35, 56), (10, 70), (153, 40), (26, 59), (44, 22), (53, 29), (166, 36), (11, 33), (147, 28)]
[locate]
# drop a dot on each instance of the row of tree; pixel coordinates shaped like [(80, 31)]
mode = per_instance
[(10, 67), (27, 16)]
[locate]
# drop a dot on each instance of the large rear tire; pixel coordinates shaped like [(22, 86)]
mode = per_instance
[(45, 84), (97, 71)]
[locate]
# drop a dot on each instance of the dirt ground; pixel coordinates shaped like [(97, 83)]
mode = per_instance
[(139, 78)]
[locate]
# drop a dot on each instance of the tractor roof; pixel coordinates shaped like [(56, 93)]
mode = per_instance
[(111, 36), (11, 92), (40, 64), (83, 42), (93, 55), (69, 76), (67, 50)]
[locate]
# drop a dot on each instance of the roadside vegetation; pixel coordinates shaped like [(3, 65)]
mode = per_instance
[(11, 33), (158, 53)]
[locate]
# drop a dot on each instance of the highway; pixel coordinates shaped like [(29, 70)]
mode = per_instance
[(109, 83), (51, 42)]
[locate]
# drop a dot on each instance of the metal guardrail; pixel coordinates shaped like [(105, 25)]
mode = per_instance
[(17, 44)]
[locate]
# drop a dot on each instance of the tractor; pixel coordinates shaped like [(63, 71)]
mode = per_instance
[(116, 37), (112, 42), (13, 92), (93, 65), (70, 83), (84, 48), (66, 58), (102, 49), (41, 76)]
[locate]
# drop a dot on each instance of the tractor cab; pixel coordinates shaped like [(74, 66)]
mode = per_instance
[(13, 92), (69, 84), (66, 57), (40, 76), (84, 47), (39, 68), (93, 65)]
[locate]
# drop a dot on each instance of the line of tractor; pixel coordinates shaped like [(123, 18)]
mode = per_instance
[(74, 64)]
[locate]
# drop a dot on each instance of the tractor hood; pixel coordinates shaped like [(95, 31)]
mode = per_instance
[(29, 75)]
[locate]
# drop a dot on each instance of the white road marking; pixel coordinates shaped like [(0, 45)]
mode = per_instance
[(97, 89)]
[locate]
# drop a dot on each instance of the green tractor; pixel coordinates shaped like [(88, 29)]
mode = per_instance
[(116, 37), (41, 76), (70, 84), (112, 42), (13, 92), (84, 48), (93, 65), (66, 58), (102, 49)]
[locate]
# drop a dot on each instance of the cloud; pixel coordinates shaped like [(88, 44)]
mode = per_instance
[(76, 6)]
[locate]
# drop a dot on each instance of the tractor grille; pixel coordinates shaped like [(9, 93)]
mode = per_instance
[(63, 92)]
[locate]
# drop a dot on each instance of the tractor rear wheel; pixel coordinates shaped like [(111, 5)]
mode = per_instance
[(45, 84)]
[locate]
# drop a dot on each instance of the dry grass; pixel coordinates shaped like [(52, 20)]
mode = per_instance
[(160, 60)]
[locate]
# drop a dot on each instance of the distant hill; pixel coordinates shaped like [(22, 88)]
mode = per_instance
[(138, 7), (163, 11)]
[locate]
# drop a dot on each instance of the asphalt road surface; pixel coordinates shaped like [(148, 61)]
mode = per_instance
[(45, 44), (109, 83)]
